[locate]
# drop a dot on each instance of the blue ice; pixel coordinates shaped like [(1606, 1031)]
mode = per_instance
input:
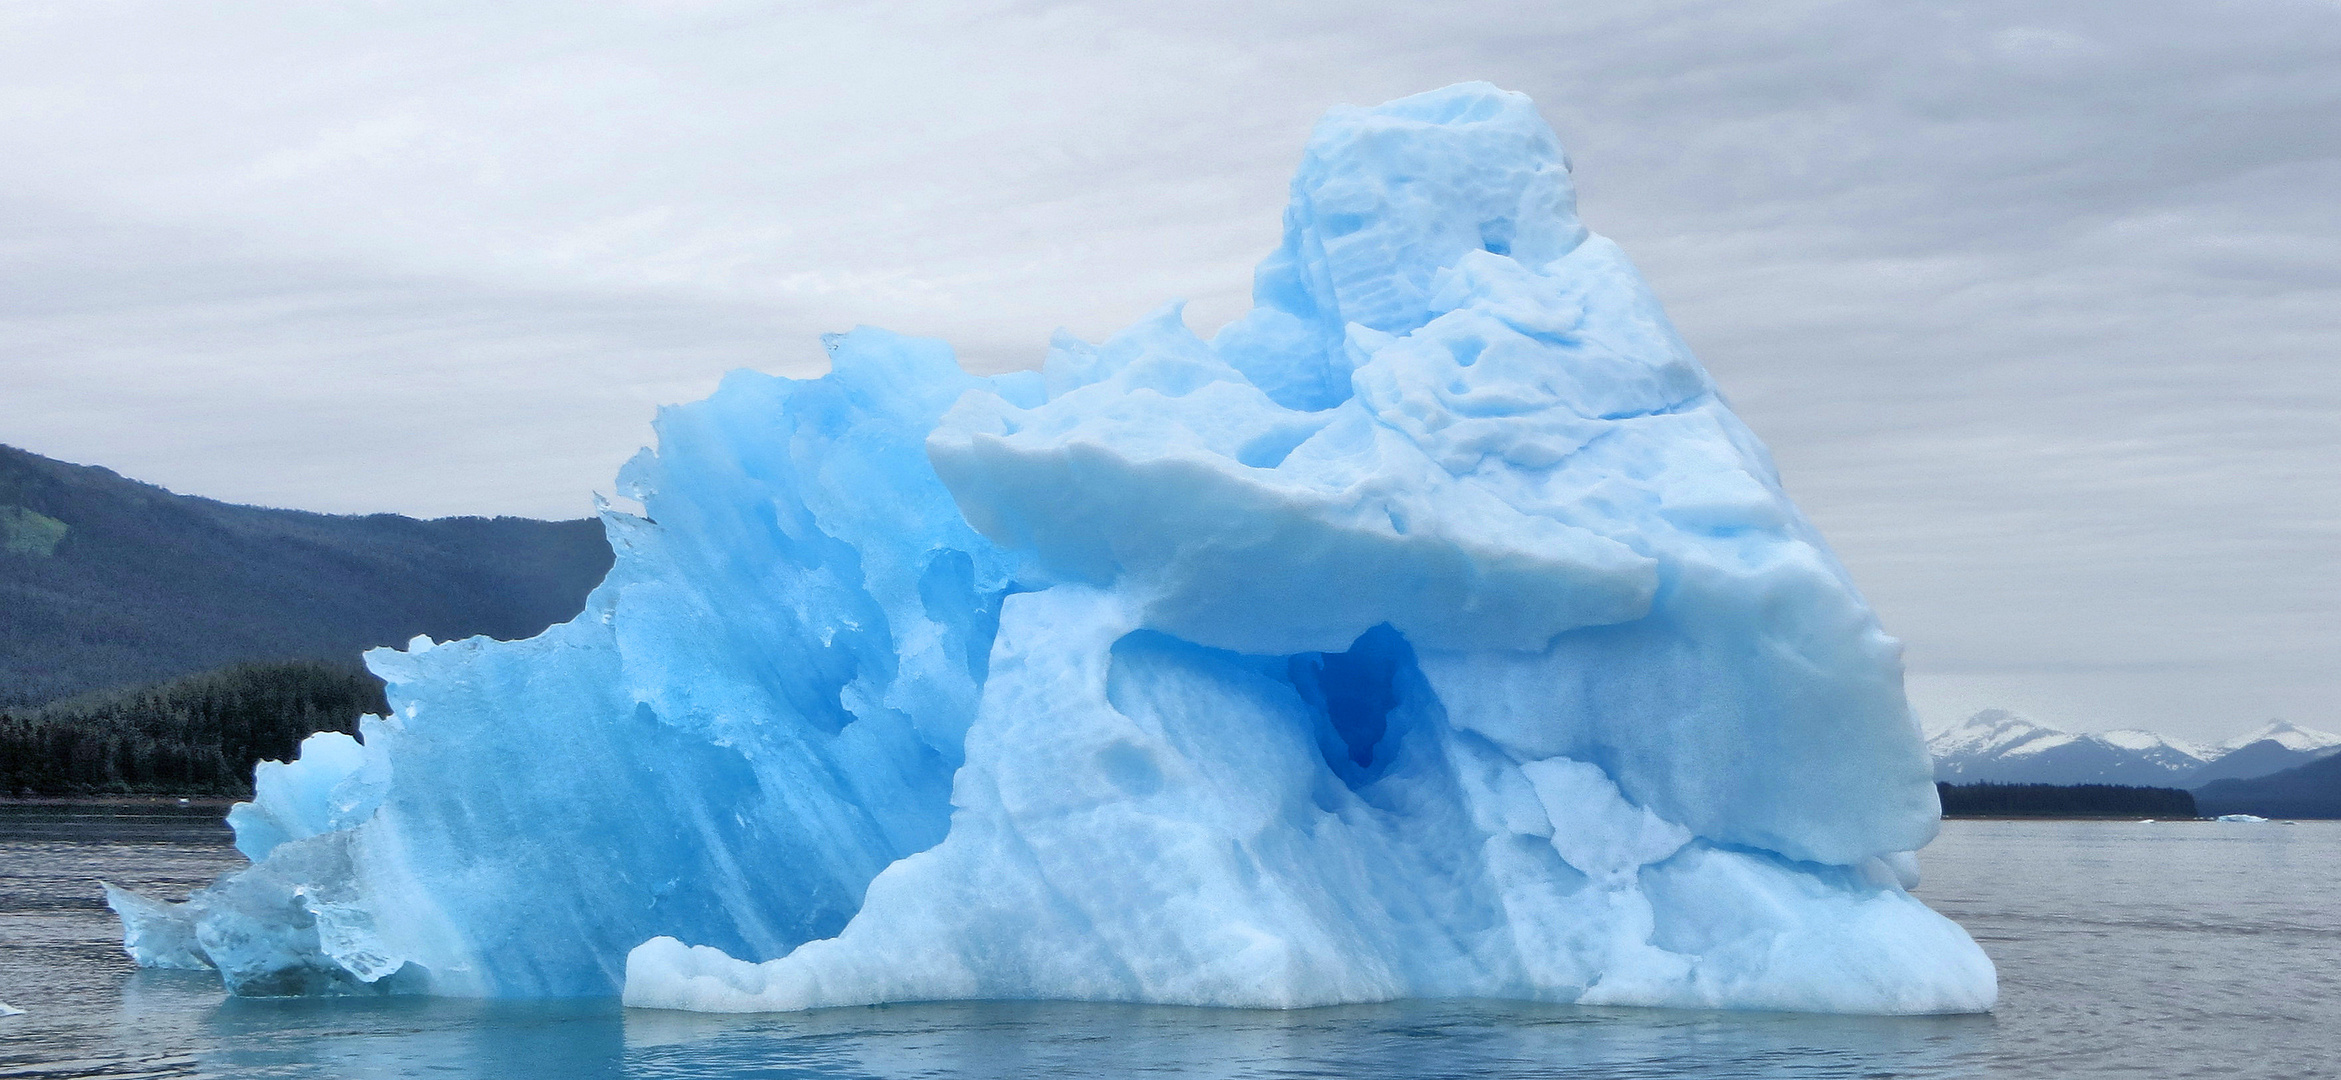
[(1432, 630)]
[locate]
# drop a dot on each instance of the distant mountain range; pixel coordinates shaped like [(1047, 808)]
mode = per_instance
[(108, 582), (2001, 747), (2274, 748), (2303, 791)]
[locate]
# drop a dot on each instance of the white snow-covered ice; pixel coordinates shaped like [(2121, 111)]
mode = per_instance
[(1433, 630)]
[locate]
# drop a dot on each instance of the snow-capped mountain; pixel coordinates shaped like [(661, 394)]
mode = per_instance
[(2002, 747), (2274, 747)]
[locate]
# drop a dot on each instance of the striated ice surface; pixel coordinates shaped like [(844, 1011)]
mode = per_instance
[(1433, 630)]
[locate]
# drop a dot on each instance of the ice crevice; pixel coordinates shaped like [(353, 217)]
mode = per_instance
[(1432, 630)]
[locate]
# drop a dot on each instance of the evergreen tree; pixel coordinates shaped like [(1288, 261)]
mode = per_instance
[(198, 735)]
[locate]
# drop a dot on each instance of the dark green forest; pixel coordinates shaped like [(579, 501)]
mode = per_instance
[(198, 735), (2064, 800), (156, 643)]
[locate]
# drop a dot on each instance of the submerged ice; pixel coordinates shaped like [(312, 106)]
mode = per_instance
[(1432, 630)]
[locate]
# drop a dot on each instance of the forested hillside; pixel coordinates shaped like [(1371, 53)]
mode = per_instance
[(2308, 791), (107, 582), (193, 736)]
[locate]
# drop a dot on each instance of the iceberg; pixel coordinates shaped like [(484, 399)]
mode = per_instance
[(1433, 630)]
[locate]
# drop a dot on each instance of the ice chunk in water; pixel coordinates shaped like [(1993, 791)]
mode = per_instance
[(1433, 630)]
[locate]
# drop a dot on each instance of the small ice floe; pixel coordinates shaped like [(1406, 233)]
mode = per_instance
[(10, 1010), (2242, 817)]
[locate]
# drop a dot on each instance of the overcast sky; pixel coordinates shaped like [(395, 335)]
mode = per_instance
[(2038, 304)]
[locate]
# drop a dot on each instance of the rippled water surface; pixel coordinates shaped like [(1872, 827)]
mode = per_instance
[(2130, 949)]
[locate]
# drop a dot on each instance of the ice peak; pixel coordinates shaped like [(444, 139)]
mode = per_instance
[(1395, 193), (1385, 199)]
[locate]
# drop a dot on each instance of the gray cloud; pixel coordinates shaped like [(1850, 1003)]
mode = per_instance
[(2038, 305)]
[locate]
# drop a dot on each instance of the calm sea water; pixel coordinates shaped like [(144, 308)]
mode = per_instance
[(2177, 950)]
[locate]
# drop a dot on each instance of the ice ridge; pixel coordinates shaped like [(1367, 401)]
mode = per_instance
[(1433, 630)]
